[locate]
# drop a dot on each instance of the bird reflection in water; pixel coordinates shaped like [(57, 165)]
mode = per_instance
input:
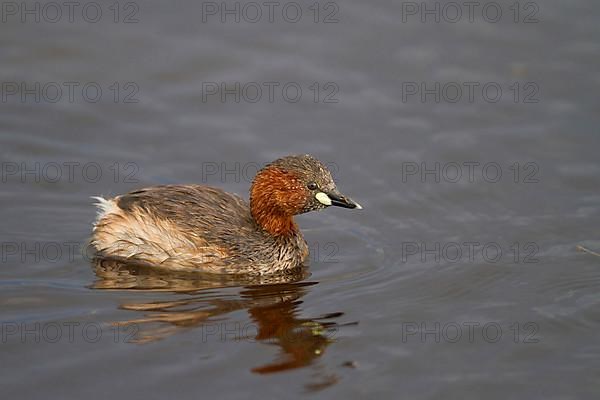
[(273, 304)]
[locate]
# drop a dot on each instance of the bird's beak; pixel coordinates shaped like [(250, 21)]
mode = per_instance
[(335, 198)]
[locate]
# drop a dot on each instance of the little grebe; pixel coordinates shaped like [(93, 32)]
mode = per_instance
[(194, 227)]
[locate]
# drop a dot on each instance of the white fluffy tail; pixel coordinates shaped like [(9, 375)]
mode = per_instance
[(105, 206)]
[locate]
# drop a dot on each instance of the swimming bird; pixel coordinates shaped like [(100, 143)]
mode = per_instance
[(201, 228)]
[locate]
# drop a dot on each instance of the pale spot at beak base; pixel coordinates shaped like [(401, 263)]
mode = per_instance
[(323, 198)]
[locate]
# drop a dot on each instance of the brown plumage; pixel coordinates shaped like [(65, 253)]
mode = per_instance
[(200, 228)]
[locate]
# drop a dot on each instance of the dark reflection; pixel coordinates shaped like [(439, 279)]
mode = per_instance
[(273, 304), (113, 274)]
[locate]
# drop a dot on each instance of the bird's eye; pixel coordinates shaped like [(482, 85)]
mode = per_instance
[(312, 186)]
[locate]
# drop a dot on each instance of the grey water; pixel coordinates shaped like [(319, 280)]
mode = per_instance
[(470, 137)]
